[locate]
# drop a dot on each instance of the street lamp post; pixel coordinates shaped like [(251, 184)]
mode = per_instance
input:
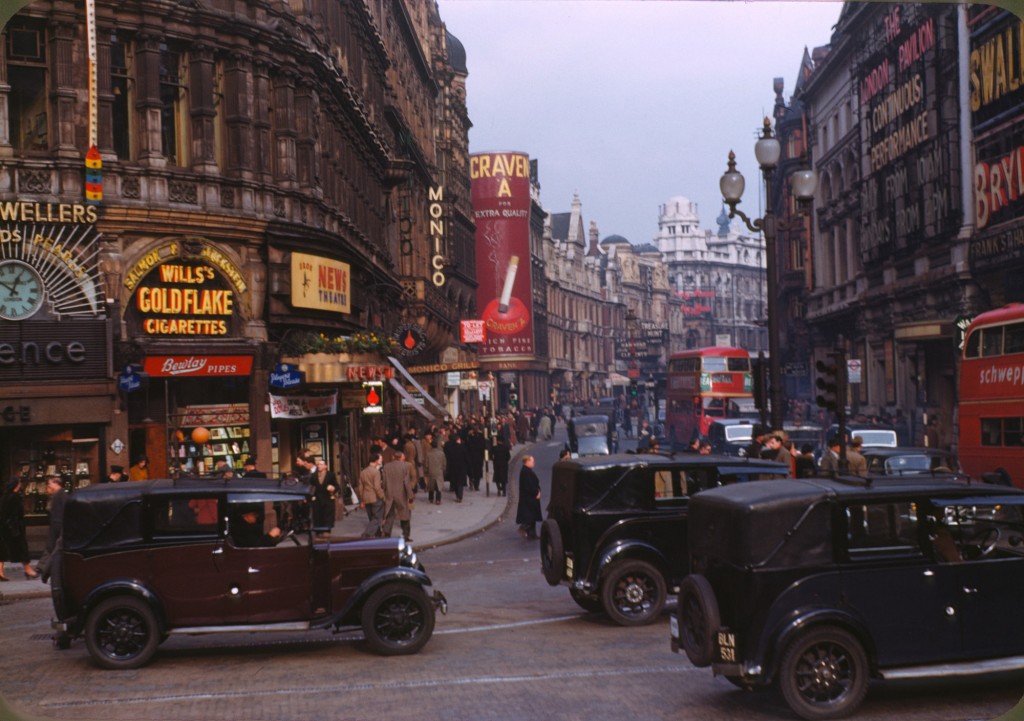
[(767, 151)]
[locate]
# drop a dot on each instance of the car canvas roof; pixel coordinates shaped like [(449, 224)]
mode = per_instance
[(110, 514), (788, 522)]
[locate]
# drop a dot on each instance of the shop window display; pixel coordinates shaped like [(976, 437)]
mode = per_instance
[(210, 437), (72, 455)]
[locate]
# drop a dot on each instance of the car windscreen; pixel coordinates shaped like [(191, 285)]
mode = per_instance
[(591, 445), (880, 438), (739, 433), (898, 465)]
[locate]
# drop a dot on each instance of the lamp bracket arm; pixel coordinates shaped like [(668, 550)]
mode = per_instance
[(755, 225)]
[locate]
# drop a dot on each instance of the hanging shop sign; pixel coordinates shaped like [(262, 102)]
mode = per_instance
[(286, 375), (303, 406), (373, 397), (473, 331), (321, 283), (500, 189), (185, 289), (412, 339), (129, 381), (197, 366)]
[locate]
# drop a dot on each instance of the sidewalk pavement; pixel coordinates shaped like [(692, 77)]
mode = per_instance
[(432, 526)]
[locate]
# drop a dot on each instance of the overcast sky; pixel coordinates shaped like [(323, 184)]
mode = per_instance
[(630, 102)]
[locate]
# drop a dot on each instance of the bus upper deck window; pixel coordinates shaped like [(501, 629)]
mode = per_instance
[(1013, 340), (992, 341)]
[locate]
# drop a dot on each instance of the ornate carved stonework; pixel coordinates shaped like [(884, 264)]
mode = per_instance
[(32, 180), (181, 191)]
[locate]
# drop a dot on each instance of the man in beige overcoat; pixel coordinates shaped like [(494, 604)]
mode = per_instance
[(399, 492)]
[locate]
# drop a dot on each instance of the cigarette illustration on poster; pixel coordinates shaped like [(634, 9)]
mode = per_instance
[(501, 209)]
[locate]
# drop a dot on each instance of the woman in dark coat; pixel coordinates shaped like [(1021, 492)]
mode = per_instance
[(325, 492), (502, 456), (528, 513), (13, 541), (457, 463), (475, 456)]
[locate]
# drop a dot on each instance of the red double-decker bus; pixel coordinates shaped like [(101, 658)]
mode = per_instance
[(992, 395), (702, 385)]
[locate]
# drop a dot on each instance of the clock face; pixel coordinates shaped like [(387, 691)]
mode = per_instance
[(21, 290)]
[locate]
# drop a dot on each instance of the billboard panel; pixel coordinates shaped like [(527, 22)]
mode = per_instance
[(501, 211)]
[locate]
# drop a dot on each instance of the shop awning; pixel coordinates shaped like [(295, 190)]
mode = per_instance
[(412, 401), (417, 386)]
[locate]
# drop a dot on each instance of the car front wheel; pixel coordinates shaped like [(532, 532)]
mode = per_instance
[(824, 674), (633, 593), (122, 633), (698, 619), (398, 619)]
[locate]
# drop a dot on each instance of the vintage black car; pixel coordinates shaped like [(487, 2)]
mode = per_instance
[(730, 436), (141, 561), (591, 435), (616, 527), (820, 585)]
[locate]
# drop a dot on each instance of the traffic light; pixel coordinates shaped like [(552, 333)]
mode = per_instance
[(832, 383), (513, 399), (632, 389)]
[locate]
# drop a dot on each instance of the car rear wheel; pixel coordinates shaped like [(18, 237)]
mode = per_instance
[(552, 553), (122, 633), (398, 619), (824, 674), (633, 593), (587, 603), (699, 619)]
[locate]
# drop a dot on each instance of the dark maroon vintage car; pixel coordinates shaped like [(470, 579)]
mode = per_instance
[(141, 561)]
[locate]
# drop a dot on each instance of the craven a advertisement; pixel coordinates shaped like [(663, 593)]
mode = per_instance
[(501, 211)]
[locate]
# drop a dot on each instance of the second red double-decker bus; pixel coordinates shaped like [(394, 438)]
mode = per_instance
[(701, 384), (992, 395)]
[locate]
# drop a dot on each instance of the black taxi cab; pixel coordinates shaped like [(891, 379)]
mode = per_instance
[(616, 527), (819, 586), (146, 560)]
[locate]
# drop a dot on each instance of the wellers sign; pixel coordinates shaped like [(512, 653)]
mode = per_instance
[(53, 350)]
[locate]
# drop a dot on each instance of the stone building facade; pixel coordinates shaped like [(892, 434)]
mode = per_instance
[(276, 178), (891, 220)]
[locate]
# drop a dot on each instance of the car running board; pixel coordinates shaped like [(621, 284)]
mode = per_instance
[(249, 628), (967, 668)]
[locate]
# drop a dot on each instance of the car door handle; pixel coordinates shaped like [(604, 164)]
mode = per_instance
[(929, 573), (253, 570), (219, 550)]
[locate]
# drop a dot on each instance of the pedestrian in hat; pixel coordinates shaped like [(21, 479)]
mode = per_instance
[(116, 475), (249, 469)]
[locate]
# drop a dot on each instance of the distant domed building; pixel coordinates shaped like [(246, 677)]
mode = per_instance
[(718, 276)]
